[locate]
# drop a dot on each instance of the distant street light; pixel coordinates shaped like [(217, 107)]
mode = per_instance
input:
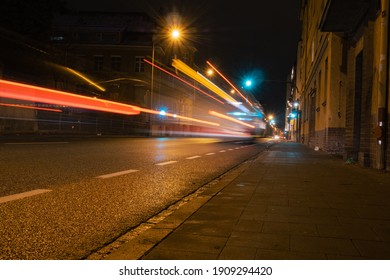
[(248, 83)]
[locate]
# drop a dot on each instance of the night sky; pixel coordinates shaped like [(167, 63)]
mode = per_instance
[(243, 39)]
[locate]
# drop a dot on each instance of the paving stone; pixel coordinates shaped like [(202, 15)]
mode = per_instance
[(290, 203)]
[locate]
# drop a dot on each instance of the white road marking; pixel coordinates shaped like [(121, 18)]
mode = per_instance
[(222, 151), (34, 143), (22, 195), (117, 174), (209, 154), (193, 157), (166, 162)]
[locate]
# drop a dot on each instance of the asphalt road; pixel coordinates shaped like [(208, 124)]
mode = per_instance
[(65, 199)]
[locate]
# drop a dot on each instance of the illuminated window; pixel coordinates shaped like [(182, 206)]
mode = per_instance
[(56, 38)]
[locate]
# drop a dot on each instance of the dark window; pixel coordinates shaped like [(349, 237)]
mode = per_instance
[(98, 63), (139, 64), (116, 63)]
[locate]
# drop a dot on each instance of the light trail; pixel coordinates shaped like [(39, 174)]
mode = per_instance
[(30, 107), (20, 91), (177, 116), (219, 73), (85, 78), (184, 81), (32, 93), (178, 64), (230, 118)]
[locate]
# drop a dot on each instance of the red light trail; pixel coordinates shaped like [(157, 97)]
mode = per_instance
[(20, 91)]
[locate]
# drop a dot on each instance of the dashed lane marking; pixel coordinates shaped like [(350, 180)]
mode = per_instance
[(166, 162), (117, 174), (193, 157), (22, 195), (209, 154)]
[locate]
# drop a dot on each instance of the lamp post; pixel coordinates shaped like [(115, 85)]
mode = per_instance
[(152, 77), (297, 121), (175, 34), (151, 89)]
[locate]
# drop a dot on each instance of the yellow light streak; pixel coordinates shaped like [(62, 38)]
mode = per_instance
[(178, 64), (85, 79), (230, 118), (182, 80)]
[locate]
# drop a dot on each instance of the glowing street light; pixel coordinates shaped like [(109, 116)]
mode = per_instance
[(210, 72), (175, 33)]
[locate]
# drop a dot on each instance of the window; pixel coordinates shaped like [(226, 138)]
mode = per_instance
[(84, 37), (99, 37), (107, 37), (115, 63), (98, 63), (139, 64)]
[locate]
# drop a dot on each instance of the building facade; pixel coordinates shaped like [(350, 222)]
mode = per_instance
[(111, 48), (342, 77), (100, 55)]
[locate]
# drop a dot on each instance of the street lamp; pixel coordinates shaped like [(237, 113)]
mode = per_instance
[(175, 35), (210, 72)]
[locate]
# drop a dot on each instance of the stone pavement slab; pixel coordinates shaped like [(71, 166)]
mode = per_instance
[(291, 202)]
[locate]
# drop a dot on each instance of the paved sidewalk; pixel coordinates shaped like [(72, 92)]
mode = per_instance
[(291, 202)]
